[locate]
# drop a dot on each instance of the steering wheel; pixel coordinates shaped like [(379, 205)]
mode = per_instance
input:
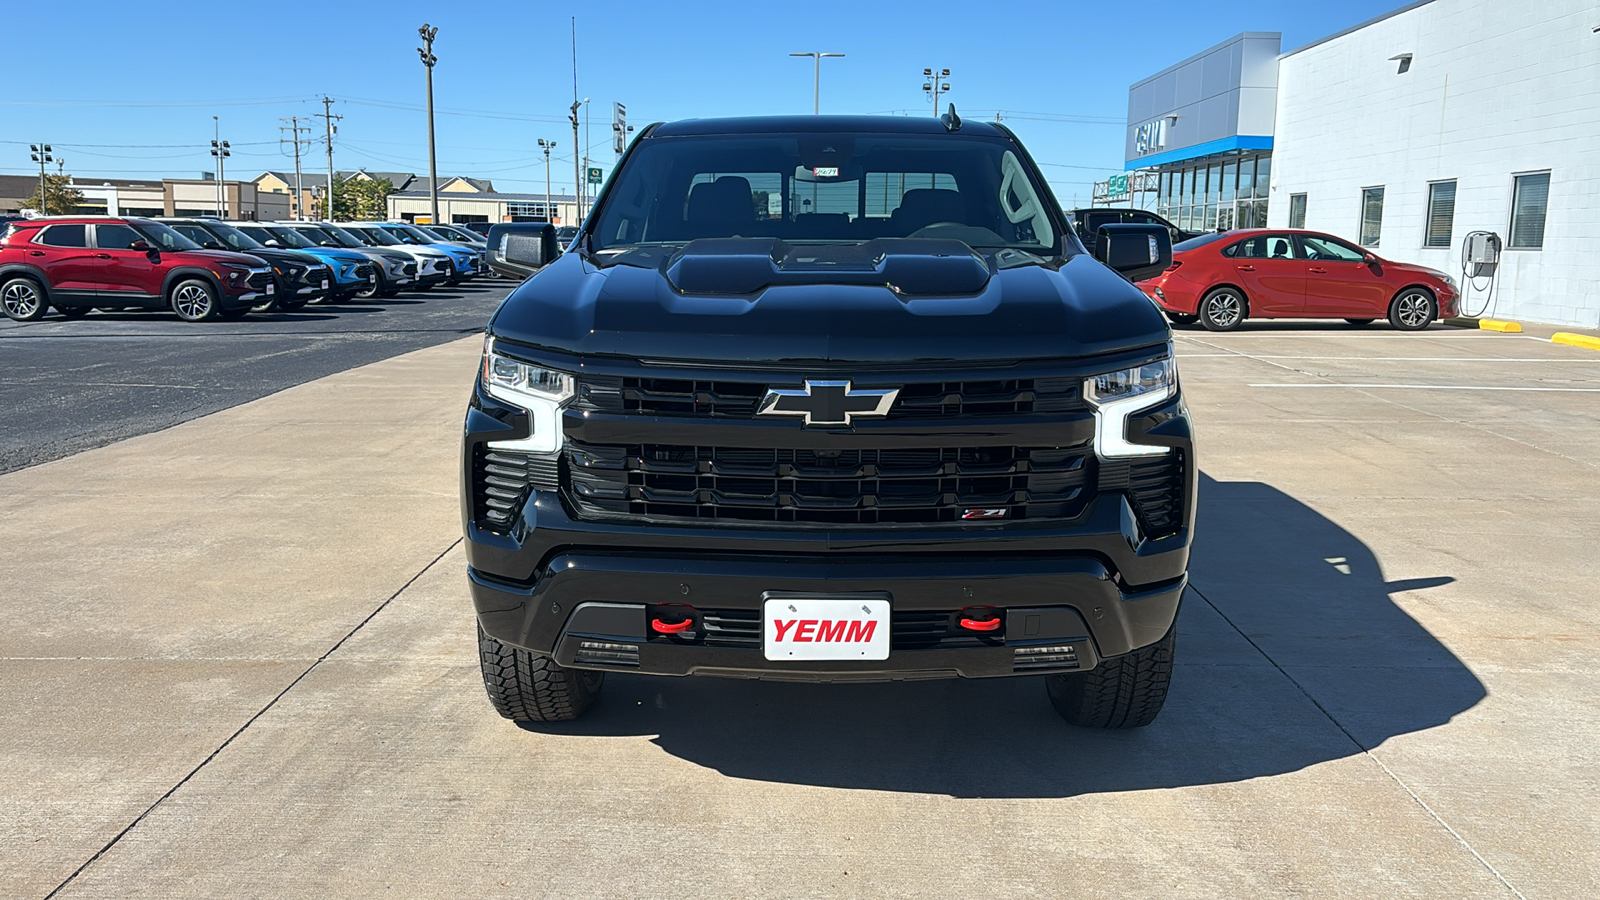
[(945, 224)]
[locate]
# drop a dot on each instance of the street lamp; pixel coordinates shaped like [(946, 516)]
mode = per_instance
[(547, 146), (428, 59), (935, 85), (816, 78), (219, 152), (41, 155)]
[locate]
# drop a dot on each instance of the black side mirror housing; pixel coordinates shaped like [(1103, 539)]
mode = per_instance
[(1136, 252), (212, 245), (140, 245), (523, 245)]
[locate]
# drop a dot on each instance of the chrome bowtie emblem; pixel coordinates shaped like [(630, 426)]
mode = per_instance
[(827, 402)]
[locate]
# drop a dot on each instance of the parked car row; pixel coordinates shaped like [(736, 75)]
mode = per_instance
[(205, 268)]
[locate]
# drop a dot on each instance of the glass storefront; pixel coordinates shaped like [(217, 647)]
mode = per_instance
[(1217, 195)]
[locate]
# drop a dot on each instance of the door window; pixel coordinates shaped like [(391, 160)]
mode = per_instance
[(63, 236), (1326, 248), (196, 233), (115, 237), (1264, 246)]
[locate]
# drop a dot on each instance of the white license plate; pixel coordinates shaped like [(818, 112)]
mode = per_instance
[(324, 284), (825, 628), (272, 289)]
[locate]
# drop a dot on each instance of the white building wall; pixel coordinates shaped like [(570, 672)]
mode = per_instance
[(1495, 88)]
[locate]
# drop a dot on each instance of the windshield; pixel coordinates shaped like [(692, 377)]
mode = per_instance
[(453, 233), (834, 188), (372, 235), (233, 237), (289, 237), (343, 238), (162, 237), (417, 235), (315, 235)]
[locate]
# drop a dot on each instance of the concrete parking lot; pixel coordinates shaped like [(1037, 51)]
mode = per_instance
[(239, 662)]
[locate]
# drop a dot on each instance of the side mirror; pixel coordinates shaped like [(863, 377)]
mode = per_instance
[(1372, 258), (140, 245), (212, 245), (531, 245), (1135, 252), (271, 243)]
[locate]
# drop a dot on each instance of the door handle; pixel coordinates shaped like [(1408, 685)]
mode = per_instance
[(1317, 270), (102, 256), (1245, 268), (35, 252)]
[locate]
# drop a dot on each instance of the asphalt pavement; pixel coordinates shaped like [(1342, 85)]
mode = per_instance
[(239, 661), (68, 386)]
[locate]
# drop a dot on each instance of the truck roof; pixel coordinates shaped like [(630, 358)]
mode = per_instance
[(820, 124)]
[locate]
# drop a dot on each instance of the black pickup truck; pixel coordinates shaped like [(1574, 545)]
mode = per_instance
[(1085, 222), (830, 399)]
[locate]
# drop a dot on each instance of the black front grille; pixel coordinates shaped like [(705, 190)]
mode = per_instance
[(739, 399), (912, 630), (501, 482), (364, 270), (409, 268), (844, 487), (259, 280)]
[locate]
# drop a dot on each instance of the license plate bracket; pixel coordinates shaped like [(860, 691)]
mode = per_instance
[(803, 627)]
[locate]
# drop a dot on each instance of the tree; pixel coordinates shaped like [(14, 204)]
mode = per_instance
[(60, 199), (361, 200)]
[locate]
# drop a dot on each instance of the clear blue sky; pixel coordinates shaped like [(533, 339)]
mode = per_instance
[(129, 89)]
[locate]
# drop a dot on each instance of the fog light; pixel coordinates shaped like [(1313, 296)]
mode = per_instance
[(607, 653), (1052, 656)]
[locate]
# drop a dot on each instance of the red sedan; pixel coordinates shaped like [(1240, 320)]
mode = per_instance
[(1222, 279)]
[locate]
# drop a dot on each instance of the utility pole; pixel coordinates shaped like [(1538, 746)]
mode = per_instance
[(294, 128), (428, 59), (328, 118), (547, 146), (583, 206), (935, 85), (41, 155), (816, 78), (577, 180), (219, 152)]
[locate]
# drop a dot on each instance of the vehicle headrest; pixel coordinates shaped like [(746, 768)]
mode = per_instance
[(928, 205), (726, 201)]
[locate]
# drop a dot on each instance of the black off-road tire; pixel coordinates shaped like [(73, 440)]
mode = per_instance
[(526, 687), (1223, 309), (1413, 309), (1125, 692), (22, 299)]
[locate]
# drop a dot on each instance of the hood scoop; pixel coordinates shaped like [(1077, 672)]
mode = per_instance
[(913, 267)]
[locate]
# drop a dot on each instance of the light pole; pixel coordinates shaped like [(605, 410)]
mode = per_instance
[(41, 155), (816, 78), (547, 146), (219, 152), (935, 85), (584, 192), (428, 59)]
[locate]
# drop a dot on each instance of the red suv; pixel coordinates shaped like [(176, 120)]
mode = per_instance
[(80, 263), (1222, 279)]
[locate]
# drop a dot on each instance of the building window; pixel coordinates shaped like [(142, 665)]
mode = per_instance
[(1371, 215), (1297, 210), (1441, 213), (1529, 200), (1263, 176)]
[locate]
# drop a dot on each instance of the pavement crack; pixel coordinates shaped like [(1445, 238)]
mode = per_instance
[(1365, 750), (251, 721)]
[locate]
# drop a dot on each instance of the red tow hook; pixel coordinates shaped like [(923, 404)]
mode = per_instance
[(671, 627), (990, 624)]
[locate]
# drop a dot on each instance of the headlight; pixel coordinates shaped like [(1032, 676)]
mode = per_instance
[(1117, 395), (540, 391)]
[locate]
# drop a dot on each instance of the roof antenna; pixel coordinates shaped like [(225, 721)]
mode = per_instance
[(952, 122)]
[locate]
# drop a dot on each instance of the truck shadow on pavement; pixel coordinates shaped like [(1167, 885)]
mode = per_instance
[(1291, 652)]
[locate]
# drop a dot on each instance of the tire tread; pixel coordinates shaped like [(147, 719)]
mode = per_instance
[(526, 687), (1125, 692)]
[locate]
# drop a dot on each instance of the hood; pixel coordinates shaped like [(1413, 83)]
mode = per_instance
[(229, 257), (338, 253), (759, 301), (297, 257)]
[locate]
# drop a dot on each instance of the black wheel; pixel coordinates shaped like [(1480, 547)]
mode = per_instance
[(194, 300), (74, 312), (372, 288), (1182, 318), (1125, 692), (1223, 309), (23, 299), (526, 687), (235, 314), (1360, 321), (1413, 309)]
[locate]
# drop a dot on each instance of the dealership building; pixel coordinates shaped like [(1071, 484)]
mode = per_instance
[(1405, 134)]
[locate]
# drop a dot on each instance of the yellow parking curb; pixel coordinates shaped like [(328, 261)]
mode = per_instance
[(1576, 340), (1499, 325)]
